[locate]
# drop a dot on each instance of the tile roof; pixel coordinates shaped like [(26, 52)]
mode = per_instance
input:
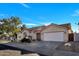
[(40, 28), (67, 25)]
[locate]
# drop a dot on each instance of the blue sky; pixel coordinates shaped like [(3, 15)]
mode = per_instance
[(38, 14)]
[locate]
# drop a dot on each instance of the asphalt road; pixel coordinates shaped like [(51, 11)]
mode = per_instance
[(42, 48)]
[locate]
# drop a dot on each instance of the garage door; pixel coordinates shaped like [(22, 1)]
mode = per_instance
[(55, 36)]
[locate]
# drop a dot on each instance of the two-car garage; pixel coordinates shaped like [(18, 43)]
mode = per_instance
[(55, 33), (54, 36)]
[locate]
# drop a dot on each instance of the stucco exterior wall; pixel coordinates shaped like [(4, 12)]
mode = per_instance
[(26, 31), (20, 36), (33, 35), (55, 29), (51, 29)]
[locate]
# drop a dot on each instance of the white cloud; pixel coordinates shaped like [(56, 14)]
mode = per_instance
[(27, 25), (25, 5), (20, 25), (76, 13), (46, 24)]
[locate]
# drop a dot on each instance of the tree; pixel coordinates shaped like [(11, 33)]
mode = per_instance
[(10, 25), (15, 21)]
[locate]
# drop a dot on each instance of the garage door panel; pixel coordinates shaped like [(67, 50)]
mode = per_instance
[(58, 36)]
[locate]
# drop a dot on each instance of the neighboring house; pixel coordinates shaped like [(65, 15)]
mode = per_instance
[(52, 32)]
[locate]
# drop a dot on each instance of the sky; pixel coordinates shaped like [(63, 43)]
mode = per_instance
[(36, 14)]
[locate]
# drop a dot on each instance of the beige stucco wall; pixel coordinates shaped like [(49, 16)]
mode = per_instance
[(20, 36), (33, 35), (55, 29), (26, 31), (50, 29)]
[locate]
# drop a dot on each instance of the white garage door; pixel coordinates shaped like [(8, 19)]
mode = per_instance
[(54, 36)]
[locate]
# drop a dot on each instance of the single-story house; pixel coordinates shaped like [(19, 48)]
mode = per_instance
[(52, 32)]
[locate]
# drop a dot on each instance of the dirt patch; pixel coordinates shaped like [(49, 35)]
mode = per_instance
[(4, 41), (10, 53), (31, 54)]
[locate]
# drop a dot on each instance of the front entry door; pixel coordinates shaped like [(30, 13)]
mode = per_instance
[(38, 36)]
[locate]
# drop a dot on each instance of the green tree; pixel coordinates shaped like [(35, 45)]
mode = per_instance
[(10, 25), (15, 21)]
